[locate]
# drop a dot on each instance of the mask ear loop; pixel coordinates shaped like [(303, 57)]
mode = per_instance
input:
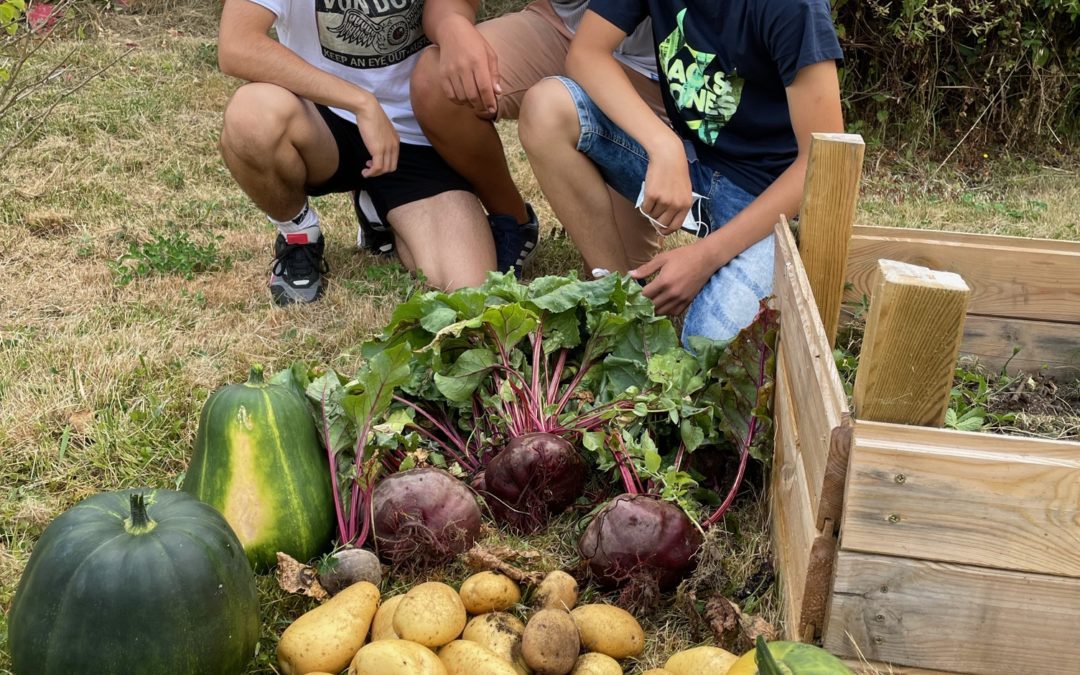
[(694, 223), (700, 225)]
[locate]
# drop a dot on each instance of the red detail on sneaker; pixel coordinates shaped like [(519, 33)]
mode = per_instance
[(296, 238)]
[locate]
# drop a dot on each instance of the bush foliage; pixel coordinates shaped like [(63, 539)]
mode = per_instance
[(926, 73), (947, 71)]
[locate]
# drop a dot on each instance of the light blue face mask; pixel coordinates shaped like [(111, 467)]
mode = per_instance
[(694, 223)]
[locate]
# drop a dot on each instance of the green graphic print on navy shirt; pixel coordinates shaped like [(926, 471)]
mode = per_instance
[(705, 96), (724, 66)]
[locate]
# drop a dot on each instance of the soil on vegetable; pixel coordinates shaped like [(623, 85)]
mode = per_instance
[(734, 564)]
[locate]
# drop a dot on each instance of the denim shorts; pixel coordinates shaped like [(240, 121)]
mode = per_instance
[(730, 299)]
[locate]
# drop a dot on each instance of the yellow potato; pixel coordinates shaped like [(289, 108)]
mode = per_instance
[(665, 671), (595, 663), (501, 633), (382, 626), (464, 657), (396, 657), (558, 590), (609, 630), (326, 638), (698, 660), (431, 614), (550, 643), (489, 592)]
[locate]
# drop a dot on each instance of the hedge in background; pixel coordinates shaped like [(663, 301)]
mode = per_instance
[(949, 71)]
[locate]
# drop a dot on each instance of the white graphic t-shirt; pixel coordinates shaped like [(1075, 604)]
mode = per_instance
[(373, 44)]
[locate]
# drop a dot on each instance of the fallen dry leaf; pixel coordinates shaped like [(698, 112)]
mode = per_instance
[(294, 576)]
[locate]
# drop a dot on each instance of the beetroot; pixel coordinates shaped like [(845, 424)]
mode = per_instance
[(635, 537), (534, 476), (423, 517)]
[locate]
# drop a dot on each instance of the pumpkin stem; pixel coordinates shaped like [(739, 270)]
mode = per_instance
[(139, 522), (255, 375)]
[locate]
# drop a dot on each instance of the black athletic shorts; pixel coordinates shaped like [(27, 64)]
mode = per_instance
[(421, 172)]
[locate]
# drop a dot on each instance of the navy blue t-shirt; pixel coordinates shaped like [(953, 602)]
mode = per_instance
[(723, 68)]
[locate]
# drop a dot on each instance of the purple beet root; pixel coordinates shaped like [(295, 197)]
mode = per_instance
[(423, 517), (534, 477), (639, 537)]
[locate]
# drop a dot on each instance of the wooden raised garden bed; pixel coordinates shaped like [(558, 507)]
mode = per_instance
[(927, 549)]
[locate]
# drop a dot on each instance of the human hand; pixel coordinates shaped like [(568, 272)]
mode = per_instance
[(681, 273), (469, 69), (668, 195), (380, 138)]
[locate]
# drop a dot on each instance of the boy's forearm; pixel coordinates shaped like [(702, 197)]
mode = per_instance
[(756, 221), (592, 65)]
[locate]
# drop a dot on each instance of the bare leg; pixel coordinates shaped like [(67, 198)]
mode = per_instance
[(575, 189), (640, 239), (275, 144), (470, 145), (447, 237)]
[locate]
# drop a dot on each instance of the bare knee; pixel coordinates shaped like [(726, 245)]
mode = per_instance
[(257, 119), (425, 87), (548, 117)]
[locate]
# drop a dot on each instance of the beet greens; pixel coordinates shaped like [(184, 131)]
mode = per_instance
[(556, 359), (719, 393)]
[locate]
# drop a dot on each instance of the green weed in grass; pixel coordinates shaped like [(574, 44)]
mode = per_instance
[(169, 253)]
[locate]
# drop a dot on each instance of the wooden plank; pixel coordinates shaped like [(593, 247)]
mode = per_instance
[(968, 238), (790, 505), (831, 192), (818, 396), (806, 553), (953, 617), (912, 338), (878, 668), (949, 496), (1044, 345), (1009, 276)]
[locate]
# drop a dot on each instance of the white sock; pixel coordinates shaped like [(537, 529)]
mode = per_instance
[(304, 223)]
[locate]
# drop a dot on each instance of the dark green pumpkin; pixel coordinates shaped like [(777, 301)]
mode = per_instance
[(132, 582), (258, 461)]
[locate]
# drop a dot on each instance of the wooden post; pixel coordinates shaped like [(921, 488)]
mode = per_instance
[(826, 218), (910, 345)]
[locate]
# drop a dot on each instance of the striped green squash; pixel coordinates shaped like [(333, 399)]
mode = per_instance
[(258, 461)]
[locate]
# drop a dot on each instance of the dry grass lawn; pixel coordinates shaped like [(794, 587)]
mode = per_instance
[(101, 382)]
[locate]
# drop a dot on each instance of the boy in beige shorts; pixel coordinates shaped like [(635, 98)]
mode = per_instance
[(476, 74)]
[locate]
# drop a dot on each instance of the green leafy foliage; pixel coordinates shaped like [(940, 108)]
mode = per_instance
[(455, 375), (10, 13), (169, 253), (925, 71)]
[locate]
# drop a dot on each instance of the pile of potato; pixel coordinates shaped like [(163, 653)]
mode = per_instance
[(427, 631)]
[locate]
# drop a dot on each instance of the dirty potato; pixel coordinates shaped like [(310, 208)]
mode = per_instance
[(704, 659), (550, 643), (464, 657), (501, 633), (609, 630), (396, 657), (558, 590), (489, 592), (431, 614), (326, 638), (595, 663), (382, 626)]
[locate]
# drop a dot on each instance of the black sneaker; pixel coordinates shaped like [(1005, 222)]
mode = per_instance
[(372, 235), (515, 243), (298, 268)]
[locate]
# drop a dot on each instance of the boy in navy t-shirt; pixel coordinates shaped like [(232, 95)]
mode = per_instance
[(745, 84)]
